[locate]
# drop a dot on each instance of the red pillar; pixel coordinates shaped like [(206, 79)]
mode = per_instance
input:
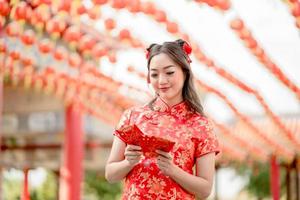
[(274, 178), (71, 171), (25, 193)]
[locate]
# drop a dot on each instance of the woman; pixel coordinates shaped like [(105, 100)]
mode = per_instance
[(174, 114)]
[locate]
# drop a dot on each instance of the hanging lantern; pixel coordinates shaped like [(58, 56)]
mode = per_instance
[(64, 6), (296, 9), (99, 50), (45, 46), (160, 16), (244, 34), (2, 22), (74, 60), (27, 61), (172, 27), (298, 22), (60, 53), (134, 6), (118, 4), (72, 36), (237, 24), (15, 55), (223, 4), (13, 29), (251, 43), (81, 9), (55, 27), (2, 46), (28, 38), (94, 13), (148, 8), (4, 8), (86, 43), (112, 57), (110, 24), (100, 2), (41, 15), (22, 12), (136, 43), (124, 34)]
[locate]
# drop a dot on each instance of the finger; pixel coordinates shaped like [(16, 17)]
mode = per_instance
[(134, 147), (165, 154), (130, 153)]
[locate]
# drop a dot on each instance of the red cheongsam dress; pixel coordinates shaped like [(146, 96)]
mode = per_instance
[(193, 135)]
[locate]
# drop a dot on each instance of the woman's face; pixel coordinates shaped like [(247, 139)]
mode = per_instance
[(167, 78)]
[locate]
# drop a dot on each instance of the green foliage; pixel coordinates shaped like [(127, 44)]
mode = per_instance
[(97, 186), (259, 179), (48, 190), (11, 188)]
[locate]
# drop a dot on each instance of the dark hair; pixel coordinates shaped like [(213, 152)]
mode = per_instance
[(175, 51)]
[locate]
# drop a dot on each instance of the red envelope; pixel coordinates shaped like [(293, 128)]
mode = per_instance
[(133, 135)]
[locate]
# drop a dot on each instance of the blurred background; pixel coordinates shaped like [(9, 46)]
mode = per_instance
[(70, 68)]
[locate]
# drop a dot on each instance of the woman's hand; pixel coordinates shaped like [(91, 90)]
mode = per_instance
[(165, 162), (133, 154)]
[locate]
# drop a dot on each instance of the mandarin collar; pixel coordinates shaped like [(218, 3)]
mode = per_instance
[(161, 106)]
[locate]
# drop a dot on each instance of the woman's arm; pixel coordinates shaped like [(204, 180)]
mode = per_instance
[(121, 160), (201, 184)]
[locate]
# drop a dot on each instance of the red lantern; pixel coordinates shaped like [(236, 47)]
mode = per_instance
[(28, 37), (4, 8), (112, 57), (13, 29), (148, 8), (99, 50), (27, 61), (100, 2), (124, 34), (259, 52), (136, 43), (55, 27), (81, 9), (244, 34), (172, 27), (74, 60), (45, 46), (110, 24), (130, 69), (64, 6), (23, 12), (296, 9), (40, 16), (224, 4), (237, 24), (251, 43), (160, 16), (86, 43), (94, 13), (15, 55), (118, 4), (2, 46), (60, 53), (298, 22), (134, 6), (72, 35)]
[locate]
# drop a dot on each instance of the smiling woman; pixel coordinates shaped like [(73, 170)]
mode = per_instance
[(175, 114)]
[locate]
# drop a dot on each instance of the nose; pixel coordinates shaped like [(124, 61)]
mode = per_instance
[(162, 80)]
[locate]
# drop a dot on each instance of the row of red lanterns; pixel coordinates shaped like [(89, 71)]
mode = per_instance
[(219, 4), (239, 27), (278, 149)]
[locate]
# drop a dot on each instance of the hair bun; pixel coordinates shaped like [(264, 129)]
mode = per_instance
[(185, 46)]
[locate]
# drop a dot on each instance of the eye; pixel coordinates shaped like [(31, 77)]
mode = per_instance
[(153, 75), (170, 73)]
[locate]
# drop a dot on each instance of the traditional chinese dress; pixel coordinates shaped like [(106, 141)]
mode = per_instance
[(193, 135)]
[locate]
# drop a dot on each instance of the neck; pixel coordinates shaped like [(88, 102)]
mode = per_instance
[(172, 102)]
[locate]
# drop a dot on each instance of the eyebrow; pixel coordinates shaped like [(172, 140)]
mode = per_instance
[(166, 67)]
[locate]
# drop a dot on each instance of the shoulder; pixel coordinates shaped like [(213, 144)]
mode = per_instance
[(201, 124)]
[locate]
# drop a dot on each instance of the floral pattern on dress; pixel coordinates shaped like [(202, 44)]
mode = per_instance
[(194, 137)]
